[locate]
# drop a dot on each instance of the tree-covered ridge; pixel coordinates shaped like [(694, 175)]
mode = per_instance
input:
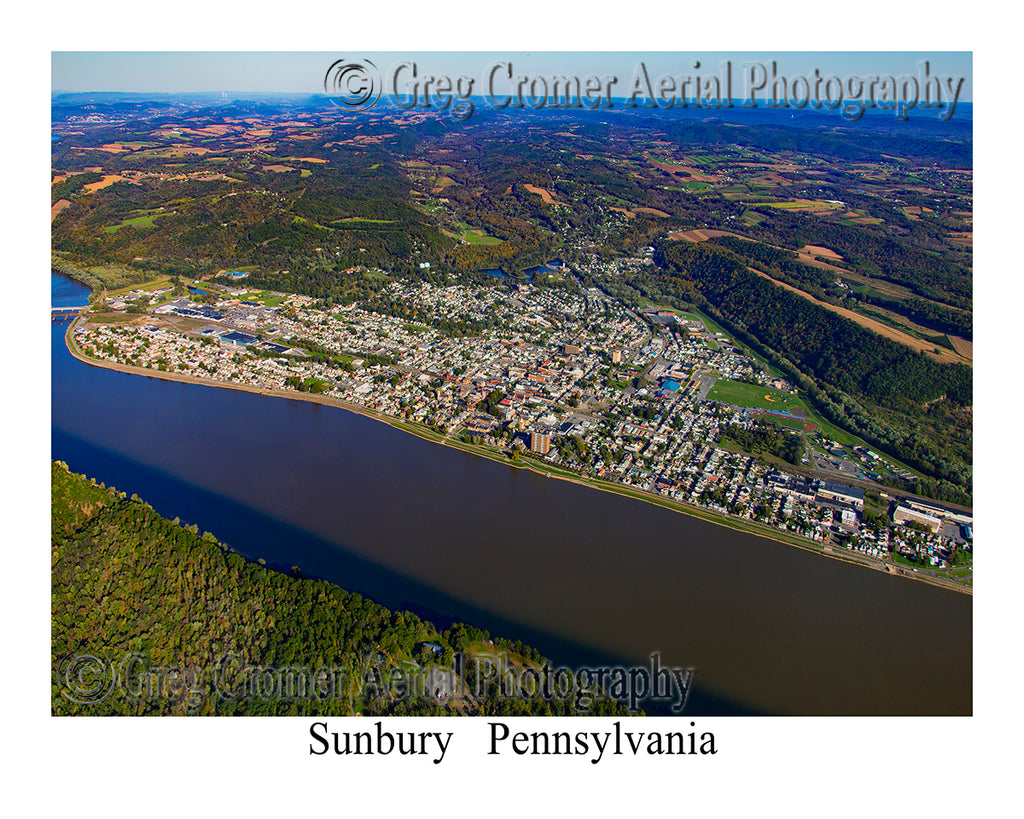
[(136, 591), (785, 265), (906, 403)]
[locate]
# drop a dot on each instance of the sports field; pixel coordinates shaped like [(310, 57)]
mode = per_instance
[(753, 395)]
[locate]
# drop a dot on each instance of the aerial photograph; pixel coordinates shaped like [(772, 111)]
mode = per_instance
[(511, 384)]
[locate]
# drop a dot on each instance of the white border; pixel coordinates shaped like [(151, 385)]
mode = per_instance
[(834, 767)]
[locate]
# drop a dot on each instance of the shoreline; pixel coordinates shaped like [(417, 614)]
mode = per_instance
[(553, 472)]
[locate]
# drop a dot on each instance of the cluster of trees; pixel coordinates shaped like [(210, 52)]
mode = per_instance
[(128, 582), (451, 326), (67, 188), (489, 403), (764, 438), (312, 385), (573, 448)]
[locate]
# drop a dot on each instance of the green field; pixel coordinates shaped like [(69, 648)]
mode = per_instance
[(351, 219), (266, 298), (143, 221), (753, 395), (476, 236), (752, 217), (704, 160), (153, 284), (805, 205)]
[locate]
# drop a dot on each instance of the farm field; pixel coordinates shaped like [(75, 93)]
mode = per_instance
[(57, 207), (805, 205), (544, 194), (701, 235)]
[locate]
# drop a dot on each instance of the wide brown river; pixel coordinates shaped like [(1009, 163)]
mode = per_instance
[(585, 576)]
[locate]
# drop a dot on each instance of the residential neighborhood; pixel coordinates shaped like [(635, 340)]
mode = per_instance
[(559, 377)]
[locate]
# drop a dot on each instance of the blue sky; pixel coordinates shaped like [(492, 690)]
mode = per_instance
[(302, 72)]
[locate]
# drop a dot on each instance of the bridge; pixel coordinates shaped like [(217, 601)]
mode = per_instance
[(61, 313)]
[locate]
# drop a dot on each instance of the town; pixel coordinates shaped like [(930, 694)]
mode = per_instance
[(557, 376)]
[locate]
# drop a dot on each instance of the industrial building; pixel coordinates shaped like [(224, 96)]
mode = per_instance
[(853, 495), (904, 514)]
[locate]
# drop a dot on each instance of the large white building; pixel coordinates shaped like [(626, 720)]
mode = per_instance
[(904, 514)]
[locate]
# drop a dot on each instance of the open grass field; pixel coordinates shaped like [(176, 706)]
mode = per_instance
[(703, 160), (755, 395), (476, 236), (856, 218), (795, 424), (674, 168), (352, 219), (145, 221), (121, 147), (176, 151), (152, 284), (265, 297), (752, 217), (802, 205)]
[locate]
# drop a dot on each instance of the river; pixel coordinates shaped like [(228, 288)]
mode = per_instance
[(585, 576)]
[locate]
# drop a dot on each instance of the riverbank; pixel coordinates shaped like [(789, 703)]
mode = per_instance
[(539, 468)]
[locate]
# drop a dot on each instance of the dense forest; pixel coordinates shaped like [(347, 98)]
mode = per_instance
[(187, 620)]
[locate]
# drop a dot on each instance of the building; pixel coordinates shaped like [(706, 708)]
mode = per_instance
[(935, 510), (841, 493), (540, 442), (616, 356), (904, 514)]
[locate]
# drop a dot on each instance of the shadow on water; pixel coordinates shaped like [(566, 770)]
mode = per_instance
[(254, 535)]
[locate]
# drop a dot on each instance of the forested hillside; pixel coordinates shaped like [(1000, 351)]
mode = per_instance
[(149, 596)]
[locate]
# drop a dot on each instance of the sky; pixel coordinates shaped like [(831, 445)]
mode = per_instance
[(303, 71)]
